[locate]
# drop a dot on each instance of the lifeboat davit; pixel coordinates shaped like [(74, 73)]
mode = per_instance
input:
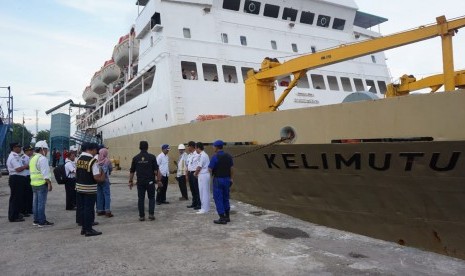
[(110, 72), (121, 51), (89, 96), (96, 84)]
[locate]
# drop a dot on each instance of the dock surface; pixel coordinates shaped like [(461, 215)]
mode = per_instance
[(180, 242)]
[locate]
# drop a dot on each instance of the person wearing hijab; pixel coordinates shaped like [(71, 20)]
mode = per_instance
[(103, 188)]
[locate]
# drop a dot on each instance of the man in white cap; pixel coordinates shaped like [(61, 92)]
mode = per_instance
[(40, 182), (163, 161), (181, 175)]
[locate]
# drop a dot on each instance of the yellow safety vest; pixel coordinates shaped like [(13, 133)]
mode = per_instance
[(37, 179)]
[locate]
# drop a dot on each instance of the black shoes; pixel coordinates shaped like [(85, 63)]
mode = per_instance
[(141, 218), (197, 208), (221, 220), (190, 206), (166, 202), (17, 220), (92, 232), (158, 203), (46, 223), (151, 217), (93, 223)]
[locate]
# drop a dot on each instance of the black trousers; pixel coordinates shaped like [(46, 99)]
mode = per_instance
[(70, 188), (17, 185), (182, 186), (161, 194), (150, 189), (86, 210), (194, 186), (27, 197)]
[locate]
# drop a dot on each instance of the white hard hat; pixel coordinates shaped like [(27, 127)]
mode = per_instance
[(41, 144), (181, 147)]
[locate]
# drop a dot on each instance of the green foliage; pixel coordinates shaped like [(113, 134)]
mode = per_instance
[(43, 135), (21, 134)]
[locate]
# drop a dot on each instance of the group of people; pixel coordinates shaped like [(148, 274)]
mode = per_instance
[(87, 184), (56, 156), (194, 167)]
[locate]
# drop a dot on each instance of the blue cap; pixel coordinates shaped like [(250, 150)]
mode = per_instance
[(218, 143), (165, 147)]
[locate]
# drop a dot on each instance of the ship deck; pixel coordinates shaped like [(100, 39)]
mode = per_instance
[(180, 242)]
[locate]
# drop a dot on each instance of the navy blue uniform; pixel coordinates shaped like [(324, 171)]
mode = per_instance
[(221, 164)]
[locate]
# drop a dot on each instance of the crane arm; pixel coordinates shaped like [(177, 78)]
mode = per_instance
[(259, 85), (409, 83)]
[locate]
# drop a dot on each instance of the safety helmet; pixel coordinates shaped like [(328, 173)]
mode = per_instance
[(181, 147), (41, 144)]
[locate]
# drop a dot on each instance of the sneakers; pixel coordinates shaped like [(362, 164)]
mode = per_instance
[(151, 217), (35, 223), (46, 223)]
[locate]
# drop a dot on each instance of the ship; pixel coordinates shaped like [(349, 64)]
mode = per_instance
[(336, 151)]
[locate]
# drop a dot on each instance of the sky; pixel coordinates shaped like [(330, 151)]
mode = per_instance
[(50, 49)]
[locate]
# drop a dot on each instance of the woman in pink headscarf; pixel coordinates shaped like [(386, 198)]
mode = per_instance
[(103, 189)]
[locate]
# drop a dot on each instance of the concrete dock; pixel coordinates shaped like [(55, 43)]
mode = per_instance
[(180, 242)]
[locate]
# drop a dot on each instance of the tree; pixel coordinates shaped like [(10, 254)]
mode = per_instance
[(43, 135), (21, 134)]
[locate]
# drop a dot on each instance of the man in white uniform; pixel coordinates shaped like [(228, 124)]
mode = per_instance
[(203, 175), (163, 161)]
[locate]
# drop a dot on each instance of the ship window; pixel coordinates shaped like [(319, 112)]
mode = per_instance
[(186, 32), (294, 47), (303, 82), (318, 81), (190, 69), (323, 21), (243, 40), (307, 17), (252, 7), (359, 85), (346, 84), (224, 38), (289, 14), (339, 24), (244, 71), (230, 74), (231, 4), (371, 86), (273, 45), (313, 49), (333, 85), (155, 20), (210, 73), (382, 87), (271, 11), (373, 58)]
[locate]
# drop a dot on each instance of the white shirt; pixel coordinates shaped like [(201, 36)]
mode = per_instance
[(192, 160), (203, 163), (70, 168), (25, 160), (181, 165), (163, 161), (13, 162)]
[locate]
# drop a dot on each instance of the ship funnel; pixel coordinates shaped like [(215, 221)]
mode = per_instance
[(288, 134)]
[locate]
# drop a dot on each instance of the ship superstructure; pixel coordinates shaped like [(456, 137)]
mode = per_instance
[(182, 58)]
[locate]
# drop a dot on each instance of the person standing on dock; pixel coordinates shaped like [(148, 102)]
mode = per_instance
[(181, 175), (88, 174), (203, 176), (28, 194), (145, 166), (221, 167), (191, 165), (70, 184), (17, 182), (163, 161)]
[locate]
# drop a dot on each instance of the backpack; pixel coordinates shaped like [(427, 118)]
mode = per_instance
[(60, 174)]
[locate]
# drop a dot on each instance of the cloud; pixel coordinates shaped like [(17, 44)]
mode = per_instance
[(54, 94)]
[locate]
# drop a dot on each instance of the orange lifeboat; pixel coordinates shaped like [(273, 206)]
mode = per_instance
[(96, 84), (110, 72), (121, 51)]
